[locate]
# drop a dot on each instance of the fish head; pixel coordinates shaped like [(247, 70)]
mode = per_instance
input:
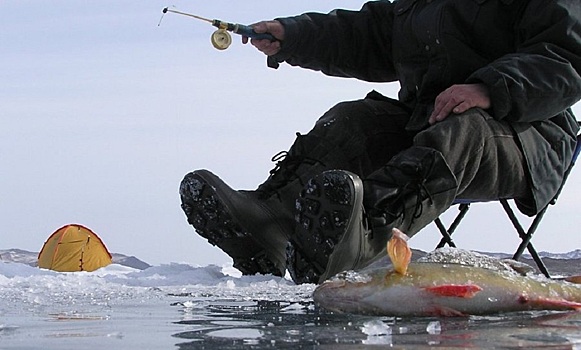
[(362, 292), (344, 291)]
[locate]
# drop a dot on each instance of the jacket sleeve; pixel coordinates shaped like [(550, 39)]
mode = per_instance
[(355, 44), (542, 78)]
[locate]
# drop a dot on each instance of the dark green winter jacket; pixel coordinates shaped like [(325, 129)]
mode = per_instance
[(528, 53)]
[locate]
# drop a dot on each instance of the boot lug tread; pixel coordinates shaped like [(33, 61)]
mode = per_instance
[(309, 252), (213, 222)]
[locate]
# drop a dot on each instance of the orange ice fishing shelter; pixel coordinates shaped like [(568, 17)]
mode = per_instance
[(73, 248)]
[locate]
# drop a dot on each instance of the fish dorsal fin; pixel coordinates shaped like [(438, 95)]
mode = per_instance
[(519, 267), (399, 252)]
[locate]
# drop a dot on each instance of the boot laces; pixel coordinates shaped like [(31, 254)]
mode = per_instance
[(416, 187), (284, 171), (422, 193)]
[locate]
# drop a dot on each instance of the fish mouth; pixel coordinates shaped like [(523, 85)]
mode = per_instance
[(338, 295), (329, 296)]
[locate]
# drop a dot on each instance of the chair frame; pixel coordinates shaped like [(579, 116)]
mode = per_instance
[(525, 236)]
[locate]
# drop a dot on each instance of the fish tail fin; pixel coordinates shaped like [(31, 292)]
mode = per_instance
[(573, 279), (557, 304)]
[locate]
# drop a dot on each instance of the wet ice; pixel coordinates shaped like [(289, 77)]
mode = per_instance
[(189, 307)]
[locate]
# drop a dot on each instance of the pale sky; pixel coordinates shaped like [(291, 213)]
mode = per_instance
[(103, 112)]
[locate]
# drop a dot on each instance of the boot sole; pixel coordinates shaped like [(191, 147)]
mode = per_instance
[(325, 210), (212, 220)]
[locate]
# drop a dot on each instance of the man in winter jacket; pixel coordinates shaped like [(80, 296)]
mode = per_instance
[(483, 113)]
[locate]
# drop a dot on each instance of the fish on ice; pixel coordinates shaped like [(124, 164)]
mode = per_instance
[(446, 282)]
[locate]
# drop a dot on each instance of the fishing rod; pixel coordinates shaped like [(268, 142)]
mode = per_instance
[(221, 38)]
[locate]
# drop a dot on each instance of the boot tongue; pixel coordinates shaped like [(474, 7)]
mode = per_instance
[(283, 173), (381, 224), (381, 213)]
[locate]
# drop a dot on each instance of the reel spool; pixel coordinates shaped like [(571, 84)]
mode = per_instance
[(221, 39)]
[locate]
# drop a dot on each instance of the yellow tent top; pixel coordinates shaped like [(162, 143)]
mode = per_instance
[(73, 248)]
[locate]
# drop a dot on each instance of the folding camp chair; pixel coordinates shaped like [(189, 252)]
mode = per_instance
[(525, 236)]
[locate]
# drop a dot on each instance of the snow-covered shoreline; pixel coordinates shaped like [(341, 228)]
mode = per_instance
[(31, 258)]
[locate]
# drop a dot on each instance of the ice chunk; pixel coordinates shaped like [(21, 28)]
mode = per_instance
[(434, 327), (448, 255), (376, 328)]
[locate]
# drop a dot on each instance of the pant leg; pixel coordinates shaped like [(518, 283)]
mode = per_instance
[(364, 134), (483, 153), (470, 156)]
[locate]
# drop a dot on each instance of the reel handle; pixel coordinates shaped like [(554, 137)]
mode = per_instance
[(249, 32)]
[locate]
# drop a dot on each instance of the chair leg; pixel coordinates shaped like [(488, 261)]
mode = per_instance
[(447, 233), (446, 238), (526, 236)]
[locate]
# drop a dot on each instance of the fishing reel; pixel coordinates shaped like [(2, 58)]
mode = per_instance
[(221, 39)]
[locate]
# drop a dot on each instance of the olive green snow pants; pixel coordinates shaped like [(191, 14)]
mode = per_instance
[(482, 153)]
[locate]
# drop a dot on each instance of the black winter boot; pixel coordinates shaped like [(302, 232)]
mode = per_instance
[(252, 231), (345, 224), (332, 234), (411, 191), (253, 227)]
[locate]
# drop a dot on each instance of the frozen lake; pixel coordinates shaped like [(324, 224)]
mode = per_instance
[(185, 307)]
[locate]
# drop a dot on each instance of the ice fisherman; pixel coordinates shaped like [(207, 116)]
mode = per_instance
[(483, 113)]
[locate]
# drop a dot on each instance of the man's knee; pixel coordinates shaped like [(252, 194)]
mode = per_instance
[(457, 132), (362, 118), (343, 115)]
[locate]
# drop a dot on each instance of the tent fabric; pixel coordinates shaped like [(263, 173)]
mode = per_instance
[(73, 248)]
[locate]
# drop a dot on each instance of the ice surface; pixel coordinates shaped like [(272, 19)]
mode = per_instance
[(434, 327), (21, 283), (118, 304), (376, 327), (449, 255), (378, 333), (188, 307), (352, 277)]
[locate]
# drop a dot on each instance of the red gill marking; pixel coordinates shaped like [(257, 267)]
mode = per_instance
[(455, 290)]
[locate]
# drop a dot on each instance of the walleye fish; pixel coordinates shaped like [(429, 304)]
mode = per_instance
[(446, 282)]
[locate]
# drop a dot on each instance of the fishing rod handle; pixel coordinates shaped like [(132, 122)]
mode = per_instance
[(249, 32)]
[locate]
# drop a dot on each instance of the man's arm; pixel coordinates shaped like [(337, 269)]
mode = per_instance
[(542, 78), (343, 43)]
